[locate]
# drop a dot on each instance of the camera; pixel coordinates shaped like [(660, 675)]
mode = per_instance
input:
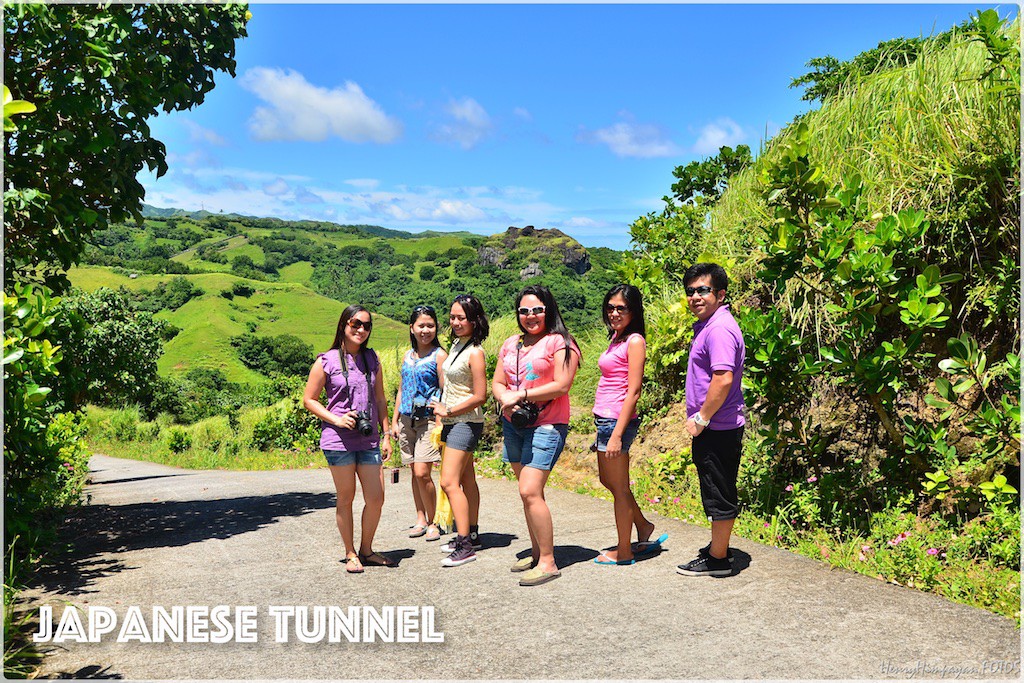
[(421, 409), (363, 424), (524, 414)]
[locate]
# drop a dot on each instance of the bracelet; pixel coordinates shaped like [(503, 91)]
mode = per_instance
[(525, 394)]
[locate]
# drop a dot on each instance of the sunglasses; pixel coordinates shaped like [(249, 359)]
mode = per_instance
[(423, 309), (536, 310), (616, 309), (357, 324), (703, 290)]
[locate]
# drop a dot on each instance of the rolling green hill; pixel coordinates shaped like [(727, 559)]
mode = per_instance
[(209, 321), (303, 274)]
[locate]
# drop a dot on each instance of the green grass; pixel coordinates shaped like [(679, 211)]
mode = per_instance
[(298, 272), (208, 322)]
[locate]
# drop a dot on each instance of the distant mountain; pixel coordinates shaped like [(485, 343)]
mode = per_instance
[(149, 211)]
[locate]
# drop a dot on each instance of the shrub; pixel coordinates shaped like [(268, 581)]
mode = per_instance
[(178, 440)]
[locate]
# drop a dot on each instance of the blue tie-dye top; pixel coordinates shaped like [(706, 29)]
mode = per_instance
[(419, 378)]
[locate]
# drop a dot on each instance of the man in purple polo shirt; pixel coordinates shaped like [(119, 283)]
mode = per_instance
[(714, 404)]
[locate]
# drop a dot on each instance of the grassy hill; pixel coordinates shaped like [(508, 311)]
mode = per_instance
[(209, 321)]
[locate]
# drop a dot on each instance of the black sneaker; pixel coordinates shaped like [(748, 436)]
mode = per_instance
[(705, 566), (449, 547), (706, 552), (462, 554)]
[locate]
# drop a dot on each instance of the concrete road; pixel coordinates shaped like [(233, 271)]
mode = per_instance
[(156, 535)]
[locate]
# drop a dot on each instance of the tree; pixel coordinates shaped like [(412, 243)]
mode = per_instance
[(96, 74)]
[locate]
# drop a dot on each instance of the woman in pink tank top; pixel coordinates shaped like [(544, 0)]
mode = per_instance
[(615, 416)]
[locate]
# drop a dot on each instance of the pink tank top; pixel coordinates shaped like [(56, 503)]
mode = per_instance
[(614, 382)]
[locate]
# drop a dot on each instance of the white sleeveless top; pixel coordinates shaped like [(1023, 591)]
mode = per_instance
[(458, 384)]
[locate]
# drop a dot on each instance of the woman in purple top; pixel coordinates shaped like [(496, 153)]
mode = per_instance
[(354, 417), (618, 390)]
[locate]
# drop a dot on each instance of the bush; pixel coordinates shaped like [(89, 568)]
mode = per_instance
[(123, 424), (178, 440)]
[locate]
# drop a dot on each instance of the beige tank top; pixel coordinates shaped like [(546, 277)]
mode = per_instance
[(458, 384)]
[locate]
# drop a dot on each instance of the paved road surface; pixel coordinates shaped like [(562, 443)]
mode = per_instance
[(155, 535)]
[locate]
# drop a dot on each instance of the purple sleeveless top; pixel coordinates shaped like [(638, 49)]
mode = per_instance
[(355, 394)]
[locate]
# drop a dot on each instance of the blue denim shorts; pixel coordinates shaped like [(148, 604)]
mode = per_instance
[(371, 456), (537, 447), (605, 427)]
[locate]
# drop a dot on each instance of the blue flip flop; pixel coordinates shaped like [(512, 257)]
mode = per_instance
[(645, 548), (620, 563)]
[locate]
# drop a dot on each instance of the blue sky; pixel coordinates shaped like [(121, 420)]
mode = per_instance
[(478, 117)]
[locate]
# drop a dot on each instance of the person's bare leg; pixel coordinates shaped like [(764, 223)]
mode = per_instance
[(451, 477), (371, 479), (614, 475), (720, 533), (344, 477), (538, 515)]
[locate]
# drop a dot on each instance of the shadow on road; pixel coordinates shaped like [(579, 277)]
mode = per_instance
[(96, 530), (149, 476)]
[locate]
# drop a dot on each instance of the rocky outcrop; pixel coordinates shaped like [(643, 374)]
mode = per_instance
[(548, 243), (531, 270)]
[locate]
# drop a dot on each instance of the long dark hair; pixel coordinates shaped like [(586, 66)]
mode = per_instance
[(339, 336), (553, 323), (414, 316), (474, 311), (634, 302)]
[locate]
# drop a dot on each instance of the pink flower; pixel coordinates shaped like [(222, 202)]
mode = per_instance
[(933, 551), (866, 549), (766, 525), (789, 488), (903, 535), (811, 479), (675, 500), (657, 499), (671, 477)]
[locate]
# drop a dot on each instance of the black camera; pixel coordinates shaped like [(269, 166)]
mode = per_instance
[(363, 424), (524, 414), (421, 410)]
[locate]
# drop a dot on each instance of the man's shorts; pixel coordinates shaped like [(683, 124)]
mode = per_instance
[(716, 453)]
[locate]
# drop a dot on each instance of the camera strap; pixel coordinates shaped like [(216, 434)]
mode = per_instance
[(366, 376)]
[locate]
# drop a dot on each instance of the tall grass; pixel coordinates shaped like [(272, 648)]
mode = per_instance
[(916, 135)]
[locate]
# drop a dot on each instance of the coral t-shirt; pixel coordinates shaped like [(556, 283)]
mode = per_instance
[(534, 367)]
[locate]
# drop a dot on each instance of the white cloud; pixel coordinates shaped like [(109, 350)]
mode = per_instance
[(523, 113), (454, 211), (638, 140), (363, 183), (198, 133), (276, 188), (470, 124), (300, 110), (723, 132), (579, 222)]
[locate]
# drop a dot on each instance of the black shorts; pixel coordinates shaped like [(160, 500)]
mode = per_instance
[(716, 453)]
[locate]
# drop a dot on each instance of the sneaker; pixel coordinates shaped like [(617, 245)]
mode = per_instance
[(462, 554), (706, 552), (449, 547), (705, 566)]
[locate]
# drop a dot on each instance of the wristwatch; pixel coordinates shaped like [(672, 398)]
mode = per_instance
[(699, 419)]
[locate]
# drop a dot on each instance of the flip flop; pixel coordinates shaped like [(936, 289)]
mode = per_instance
[(433, 534), (609, 561), (417, 531), (645, 548), (376, 560), (349, 565)]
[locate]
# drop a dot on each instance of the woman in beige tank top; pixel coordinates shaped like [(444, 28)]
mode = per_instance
[(465, 391)]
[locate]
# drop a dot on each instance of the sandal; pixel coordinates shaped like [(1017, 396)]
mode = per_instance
[(375, 559), (353, 565), (433, 534), (417, 531)]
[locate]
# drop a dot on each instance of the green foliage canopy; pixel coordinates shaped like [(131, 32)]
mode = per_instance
[(96, 73)]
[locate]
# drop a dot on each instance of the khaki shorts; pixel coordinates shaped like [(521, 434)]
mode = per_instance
[(414, 442)]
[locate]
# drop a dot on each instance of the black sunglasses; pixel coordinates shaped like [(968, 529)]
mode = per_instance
[(423, 309), (357, 324), (611, 308), (703, 290)]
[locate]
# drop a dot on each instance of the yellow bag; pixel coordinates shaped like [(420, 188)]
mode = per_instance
[(444, 518)]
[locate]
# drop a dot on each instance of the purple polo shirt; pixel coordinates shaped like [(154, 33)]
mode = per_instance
[(717, 345)]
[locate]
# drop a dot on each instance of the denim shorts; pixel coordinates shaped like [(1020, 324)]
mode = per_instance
[(371, 456), (605, 427), (537, 447)]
